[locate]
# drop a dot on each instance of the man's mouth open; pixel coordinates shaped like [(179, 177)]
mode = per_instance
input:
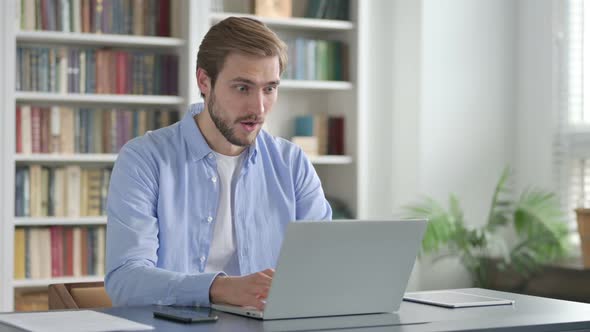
[(250, 126)]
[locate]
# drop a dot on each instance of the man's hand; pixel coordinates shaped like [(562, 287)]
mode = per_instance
[(248, 290)]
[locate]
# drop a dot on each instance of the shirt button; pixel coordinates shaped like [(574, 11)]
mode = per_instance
[(209, 219), (210, 155), (214, 179), (202, 259)]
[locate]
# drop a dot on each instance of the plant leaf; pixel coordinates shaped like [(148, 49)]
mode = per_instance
[(538, 219), (501, 208), (441, 224)]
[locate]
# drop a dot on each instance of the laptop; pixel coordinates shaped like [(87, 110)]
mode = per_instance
[(340, 268)]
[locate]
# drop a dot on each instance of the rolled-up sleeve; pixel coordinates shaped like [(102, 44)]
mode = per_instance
[(132, 276), (311, 203)]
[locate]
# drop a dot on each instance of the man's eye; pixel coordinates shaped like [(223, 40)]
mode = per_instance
[(270, 89), (242, 88)]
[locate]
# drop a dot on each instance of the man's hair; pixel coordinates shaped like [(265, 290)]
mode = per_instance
[(240, 35)]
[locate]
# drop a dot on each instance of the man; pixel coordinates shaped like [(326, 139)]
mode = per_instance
[(197, 210)]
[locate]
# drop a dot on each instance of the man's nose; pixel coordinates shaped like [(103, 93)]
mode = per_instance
[(257, 103)]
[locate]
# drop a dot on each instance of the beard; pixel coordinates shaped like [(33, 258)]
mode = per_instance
[(225, 126)]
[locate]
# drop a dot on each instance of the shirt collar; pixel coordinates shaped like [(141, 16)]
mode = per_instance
[(198, 147)]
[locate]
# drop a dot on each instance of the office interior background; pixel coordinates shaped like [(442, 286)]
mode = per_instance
[(394, 100)]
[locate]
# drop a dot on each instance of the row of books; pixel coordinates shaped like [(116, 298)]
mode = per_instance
[(68, 130), (328, 9), (320, 134), (69, 191), (133, 17), (90, 70), (311, 59), (58, 251)]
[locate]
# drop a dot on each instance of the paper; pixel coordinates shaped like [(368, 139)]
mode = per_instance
[(71, 321)]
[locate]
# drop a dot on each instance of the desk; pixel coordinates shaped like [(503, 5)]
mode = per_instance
[(566, 280), (528, 314)]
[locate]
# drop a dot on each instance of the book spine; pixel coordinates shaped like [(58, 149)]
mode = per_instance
[(18, 129)]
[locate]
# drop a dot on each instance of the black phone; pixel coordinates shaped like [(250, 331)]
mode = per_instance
[(184, 315)]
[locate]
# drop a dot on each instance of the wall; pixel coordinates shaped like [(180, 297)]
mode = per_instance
[(536, 102), (468, 103), (441, 113), (405, 129), (376, 115)]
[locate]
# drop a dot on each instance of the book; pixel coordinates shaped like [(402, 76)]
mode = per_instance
[(77, 251), (273, 8), (68, 253), (84, 252), (312, 125), (19, 183), (44, 194), (83, 192), (336, 135), (18, 118), (45, 252), (36, 129), (34, 253), (309, 144), (73, 175), (66, 138), (55, 132), (59, 192), (56, 251), (35, 191), (94, 185), (19, 253), (100, 250), (45, 137), (25, 130)]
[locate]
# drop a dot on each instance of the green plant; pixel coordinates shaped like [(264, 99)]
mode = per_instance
[(535, 217)]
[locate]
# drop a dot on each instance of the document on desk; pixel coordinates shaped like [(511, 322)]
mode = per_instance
[(71, 321)]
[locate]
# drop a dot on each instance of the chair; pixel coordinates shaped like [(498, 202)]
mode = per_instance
[(81, 295)]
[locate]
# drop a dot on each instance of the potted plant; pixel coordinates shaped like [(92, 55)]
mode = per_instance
[(583, 219), (535, 217)]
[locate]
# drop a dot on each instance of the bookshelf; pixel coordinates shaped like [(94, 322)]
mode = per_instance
[(339, 173), (47, 282), (63, 221), (12, 39), (93, 158), (96, 99), (295, 23), (303, 97), (74, 38), (316, 85)]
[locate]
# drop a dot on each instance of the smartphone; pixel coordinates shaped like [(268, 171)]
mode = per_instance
[(184, 315)]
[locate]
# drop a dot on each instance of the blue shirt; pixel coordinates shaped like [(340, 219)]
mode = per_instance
[(162, 203)]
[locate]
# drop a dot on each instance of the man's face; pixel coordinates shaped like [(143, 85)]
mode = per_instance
[(244, 93)]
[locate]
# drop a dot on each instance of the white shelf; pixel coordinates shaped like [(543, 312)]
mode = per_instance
[(95, 158), (315, 85), (97, 99), (55, 221), (330, 160), (70, 38), (291, 23), (22, 283)]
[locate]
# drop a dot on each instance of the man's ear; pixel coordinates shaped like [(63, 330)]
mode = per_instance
[(203, 81)]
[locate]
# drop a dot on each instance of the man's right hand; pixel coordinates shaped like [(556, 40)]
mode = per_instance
[(250, 290)]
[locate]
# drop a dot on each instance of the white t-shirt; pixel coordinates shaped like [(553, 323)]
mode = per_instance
[(222, 253)]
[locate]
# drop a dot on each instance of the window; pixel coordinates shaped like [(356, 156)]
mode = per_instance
[(572, 151)]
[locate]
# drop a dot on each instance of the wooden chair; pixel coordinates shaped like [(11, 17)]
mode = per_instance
[(78, 296)]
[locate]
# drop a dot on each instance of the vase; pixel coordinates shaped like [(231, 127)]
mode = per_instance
[(583, 218)]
